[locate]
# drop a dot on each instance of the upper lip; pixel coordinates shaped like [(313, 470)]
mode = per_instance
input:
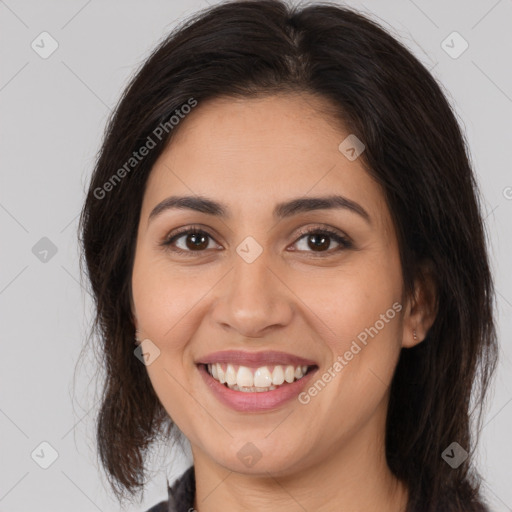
[(255, 359)]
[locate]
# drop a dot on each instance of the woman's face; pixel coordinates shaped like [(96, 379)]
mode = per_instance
[(251, 290)]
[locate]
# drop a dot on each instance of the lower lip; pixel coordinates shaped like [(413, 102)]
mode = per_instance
[(258, 400)]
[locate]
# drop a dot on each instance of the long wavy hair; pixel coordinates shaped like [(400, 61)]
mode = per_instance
[(415, 150)]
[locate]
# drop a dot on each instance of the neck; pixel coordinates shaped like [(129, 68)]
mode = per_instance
[(353, 478)]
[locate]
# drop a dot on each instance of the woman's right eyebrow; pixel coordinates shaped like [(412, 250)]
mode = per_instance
[(282, 210)]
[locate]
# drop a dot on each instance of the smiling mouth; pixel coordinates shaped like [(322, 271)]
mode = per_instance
[(256, 380)]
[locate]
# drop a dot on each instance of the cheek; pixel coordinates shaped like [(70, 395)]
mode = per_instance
[(164, 303), (362, 311), (164, 298), (364, 352), (351, 301)]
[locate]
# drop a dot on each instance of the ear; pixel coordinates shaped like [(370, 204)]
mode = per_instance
[(421, 310)]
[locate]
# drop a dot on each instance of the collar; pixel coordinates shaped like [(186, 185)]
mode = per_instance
[(182, 493)]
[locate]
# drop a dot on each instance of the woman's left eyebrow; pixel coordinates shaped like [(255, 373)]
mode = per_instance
[(282, 210)]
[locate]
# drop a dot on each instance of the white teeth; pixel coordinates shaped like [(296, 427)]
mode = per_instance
[(278, 375), (289, 374), (255, 379), (230, 375), (262, 378), (221, 375), (252, 389), (244, 377)]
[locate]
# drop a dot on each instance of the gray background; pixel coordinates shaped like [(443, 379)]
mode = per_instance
[(52, 115)]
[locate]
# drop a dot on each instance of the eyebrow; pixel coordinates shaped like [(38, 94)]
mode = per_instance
[(281, 211)]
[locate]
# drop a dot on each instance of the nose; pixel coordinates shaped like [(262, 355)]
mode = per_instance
[(253, 299)]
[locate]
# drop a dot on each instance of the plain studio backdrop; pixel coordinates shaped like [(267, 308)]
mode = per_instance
[(55, 97)]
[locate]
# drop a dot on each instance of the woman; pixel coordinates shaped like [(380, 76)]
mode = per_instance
[(284, 240)]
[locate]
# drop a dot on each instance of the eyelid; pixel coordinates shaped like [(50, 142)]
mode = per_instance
[(322, 228)]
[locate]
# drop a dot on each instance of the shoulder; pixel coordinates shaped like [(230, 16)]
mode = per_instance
[(181, 494), (159, 507)]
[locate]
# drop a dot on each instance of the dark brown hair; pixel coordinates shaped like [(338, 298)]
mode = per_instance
[(414, 149)]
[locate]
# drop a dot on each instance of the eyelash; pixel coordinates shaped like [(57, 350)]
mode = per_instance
[(337, 237)]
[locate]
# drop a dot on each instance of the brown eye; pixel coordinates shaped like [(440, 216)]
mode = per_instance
[(188, 241), (319, 241), (196, 241)]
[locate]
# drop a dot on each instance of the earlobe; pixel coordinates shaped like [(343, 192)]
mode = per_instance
[(411, 338)]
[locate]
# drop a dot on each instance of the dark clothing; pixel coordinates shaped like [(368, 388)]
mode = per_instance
[(181, 495)]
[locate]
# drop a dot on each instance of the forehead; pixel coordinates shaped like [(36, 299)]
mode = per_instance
[(253, 153)]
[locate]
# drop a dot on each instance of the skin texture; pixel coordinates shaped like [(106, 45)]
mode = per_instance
[(251, 154)]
